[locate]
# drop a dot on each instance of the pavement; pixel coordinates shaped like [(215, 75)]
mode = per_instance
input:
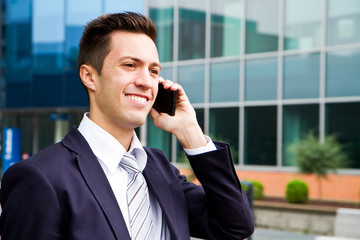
[(270, 234)]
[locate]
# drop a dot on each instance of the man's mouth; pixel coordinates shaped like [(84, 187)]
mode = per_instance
[(137, 98)]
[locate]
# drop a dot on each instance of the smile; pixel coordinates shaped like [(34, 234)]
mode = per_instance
[(137, 98)]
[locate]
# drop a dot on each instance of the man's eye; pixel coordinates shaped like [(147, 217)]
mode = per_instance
[(155, 71), (130, 65)]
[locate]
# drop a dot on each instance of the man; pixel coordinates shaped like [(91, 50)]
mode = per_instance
[(80, 188)]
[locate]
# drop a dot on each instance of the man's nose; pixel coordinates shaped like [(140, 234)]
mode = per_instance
[(144, 79)]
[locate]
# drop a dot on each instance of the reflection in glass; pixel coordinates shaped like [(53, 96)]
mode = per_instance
[(17, 71), (48, 35), (260, 136), (224, 81), (261, 26), (192, 79), (261, 79), (302, 24), (224, 127), (343, 22), (343, 119), (191, 29), (301, 76), (298, 121), (225, 27), (18, 35), (76, 18), (342, 73), (162, 14)]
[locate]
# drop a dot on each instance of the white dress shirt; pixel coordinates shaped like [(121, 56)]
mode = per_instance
[(109, 153)]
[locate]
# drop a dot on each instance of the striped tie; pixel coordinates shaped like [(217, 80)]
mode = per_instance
[(138, 200)]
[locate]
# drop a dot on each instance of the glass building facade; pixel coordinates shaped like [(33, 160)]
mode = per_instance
[(261, 74)]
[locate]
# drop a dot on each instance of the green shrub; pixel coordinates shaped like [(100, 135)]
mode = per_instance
[(297, 191), (258, 189)]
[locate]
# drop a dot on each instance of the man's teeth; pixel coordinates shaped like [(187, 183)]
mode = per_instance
[(137, 98)]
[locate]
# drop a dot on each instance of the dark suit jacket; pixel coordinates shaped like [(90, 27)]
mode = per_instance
[(63, 193)]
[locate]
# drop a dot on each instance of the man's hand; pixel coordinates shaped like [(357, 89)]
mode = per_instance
[(183, 124)]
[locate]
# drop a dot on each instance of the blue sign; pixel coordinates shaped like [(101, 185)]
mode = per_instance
[(11, 147)]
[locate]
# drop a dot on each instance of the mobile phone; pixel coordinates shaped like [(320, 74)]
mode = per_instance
[(165, 101)]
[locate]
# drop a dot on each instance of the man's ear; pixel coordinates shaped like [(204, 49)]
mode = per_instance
[(88, 76)]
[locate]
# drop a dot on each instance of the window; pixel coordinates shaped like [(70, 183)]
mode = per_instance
[(192, 79), (343, 119), (302, 24), (301, 76), (261, 79), (262, 26), (342, 73), (225, 27), (162, 14), (343, 22), (298, 121), (191, 29), (224, 81), (48, 36), (224, 127), (260, 136)]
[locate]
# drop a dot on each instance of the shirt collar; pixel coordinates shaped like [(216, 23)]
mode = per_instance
[(106, 148)]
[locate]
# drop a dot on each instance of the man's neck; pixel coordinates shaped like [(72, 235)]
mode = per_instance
[(123, 136)]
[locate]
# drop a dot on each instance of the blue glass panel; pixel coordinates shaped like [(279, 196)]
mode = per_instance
[(192, 79), (261, 85), (301, 76), (47, 90), (18, 35), (224, 81), (76, 18), (75, 95), (48, 35), (18, 94), (342, 73)]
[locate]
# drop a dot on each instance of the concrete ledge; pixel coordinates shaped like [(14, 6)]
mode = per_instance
[(304, 218), (334, 238), (296, 207)]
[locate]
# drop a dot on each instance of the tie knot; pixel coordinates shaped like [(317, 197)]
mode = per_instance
[(129, 163)]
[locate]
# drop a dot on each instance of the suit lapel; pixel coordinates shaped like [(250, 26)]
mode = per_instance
[(167, 197), (97, 183)]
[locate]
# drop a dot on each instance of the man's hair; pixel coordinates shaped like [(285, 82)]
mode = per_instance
[(96, 39)]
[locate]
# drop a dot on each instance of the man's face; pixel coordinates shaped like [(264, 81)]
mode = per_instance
[(128, 83)]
